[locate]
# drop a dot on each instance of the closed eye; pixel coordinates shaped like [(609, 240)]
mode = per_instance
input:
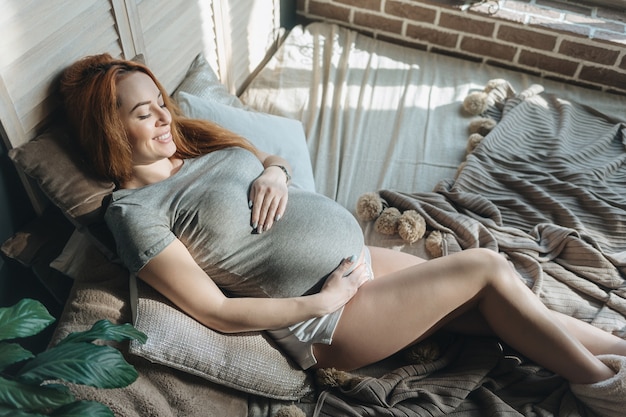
[(147, 116)]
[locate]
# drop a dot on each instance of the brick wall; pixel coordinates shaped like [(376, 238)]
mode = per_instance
[(555, 39)]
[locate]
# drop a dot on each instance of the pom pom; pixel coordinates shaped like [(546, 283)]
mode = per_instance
[(425, 351), (387, 222), (476, 103), (473, 141), (482, 126), (369, 206), (290, 411), (498, 83), (430, 349), (411, 226), (333, 378), (499, 91), (434, 244)]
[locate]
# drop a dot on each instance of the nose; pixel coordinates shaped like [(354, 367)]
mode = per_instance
[(164, 116)]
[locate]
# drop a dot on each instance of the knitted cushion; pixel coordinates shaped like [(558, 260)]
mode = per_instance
[(247, 361)]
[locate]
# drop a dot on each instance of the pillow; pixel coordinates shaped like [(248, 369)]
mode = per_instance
[(272, 134), (248, 362), (52, 161), (201, 81)]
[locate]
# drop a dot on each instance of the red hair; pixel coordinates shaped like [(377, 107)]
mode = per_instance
[(89, 90)]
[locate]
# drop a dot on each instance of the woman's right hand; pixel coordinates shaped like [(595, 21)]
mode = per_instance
[(343, 283)]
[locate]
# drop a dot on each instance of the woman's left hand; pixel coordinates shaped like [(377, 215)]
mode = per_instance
[(268, 198)]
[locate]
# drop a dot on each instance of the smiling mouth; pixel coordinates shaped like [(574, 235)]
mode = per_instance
[(163, 138)]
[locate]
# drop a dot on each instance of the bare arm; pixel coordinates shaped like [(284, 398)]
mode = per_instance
[(272, 160), (176, 275)]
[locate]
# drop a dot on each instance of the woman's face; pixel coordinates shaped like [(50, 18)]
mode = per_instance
[(145, 117)]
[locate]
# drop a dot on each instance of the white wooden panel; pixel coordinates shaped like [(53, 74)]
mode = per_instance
[(209, 40), (234, 35), (38, 39), (259, 30), (128, 27), (173, 36), (246, 31)]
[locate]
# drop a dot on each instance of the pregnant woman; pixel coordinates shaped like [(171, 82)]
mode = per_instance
[(211, 223)]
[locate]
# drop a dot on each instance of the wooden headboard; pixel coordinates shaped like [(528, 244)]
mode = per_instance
[(39, 38)]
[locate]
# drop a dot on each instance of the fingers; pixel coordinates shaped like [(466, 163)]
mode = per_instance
[(345, 281), (359, 274), (268, 206), (347, 264)]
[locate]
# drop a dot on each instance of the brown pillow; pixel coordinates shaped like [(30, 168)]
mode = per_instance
[(55, 165)]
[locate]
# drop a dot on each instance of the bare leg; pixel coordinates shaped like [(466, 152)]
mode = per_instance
[(404, 306), (596, 340)]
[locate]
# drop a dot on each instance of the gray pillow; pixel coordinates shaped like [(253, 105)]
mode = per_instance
[(272, 134), (201, 81)]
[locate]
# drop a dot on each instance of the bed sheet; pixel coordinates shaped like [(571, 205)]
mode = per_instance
[(379, 115)]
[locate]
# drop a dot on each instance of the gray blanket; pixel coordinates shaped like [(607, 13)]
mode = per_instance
[(546, 187), (474, 378)]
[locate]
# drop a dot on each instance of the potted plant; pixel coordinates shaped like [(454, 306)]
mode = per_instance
[(33, 385)]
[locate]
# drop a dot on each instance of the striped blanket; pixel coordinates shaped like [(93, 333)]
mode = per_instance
[(547, 188)]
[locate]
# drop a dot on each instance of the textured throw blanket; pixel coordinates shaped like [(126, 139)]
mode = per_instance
[(547, 188), (474, 378)]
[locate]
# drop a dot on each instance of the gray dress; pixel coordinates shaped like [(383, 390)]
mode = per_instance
[(205, 205)]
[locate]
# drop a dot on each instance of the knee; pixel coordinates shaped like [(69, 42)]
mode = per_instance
[(495, 268)]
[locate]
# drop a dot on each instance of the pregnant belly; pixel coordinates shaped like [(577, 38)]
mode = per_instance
[(295, 255)]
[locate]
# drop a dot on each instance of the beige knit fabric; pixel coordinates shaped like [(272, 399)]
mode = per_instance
[(248, 361)]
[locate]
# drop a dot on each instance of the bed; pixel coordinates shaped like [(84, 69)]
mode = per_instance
[(356, 115)]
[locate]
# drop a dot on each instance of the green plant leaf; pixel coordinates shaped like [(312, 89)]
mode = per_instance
[(81, 363), (26, 318), (33, 397), (105, 330), (82, 409), (12, 412), (11, 353)]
